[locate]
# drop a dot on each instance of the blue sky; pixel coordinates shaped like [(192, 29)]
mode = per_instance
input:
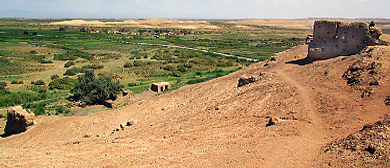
[(195, 9)]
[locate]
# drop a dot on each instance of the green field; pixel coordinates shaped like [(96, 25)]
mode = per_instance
[(40, 62)]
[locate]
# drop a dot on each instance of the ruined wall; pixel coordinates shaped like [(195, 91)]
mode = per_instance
[(336, 38), (18, 120)]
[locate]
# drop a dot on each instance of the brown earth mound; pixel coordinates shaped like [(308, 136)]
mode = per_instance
[(286, 118), (371, 145)]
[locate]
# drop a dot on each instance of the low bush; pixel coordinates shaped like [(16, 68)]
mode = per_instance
[(62, 83), (169, 68), (39, 82), (69, 63), (36, 88), (198, 80), (54, 77), (93, 66), (128, 65), (8, 99), (72, 54), (2, 85), (72, 71), (137, 63), (62, 110), (132, 84)]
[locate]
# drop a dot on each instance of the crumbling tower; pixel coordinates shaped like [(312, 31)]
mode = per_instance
[(336, 38)]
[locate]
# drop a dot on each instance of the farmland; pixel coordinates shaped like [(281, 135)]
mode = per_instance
[(41, 60)]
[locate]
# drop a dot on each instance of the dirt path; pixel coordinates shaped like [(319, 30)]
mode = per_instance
[(313, 134)]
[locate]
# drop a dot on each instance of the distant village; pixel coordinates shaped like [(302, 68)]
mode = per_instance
[(125, 30)]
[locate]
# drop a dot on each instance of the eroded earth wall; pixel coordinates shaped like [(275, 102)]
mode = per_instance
[(336, 38)]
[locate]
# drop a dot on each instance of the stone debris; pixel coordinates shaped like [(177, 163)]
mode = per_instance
[(245, 81), (122, 126), (272, 121)]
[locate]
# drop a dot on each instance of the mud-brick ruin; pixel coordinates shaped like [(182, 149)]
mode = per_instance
[(18, 120), (160, 86), (336, 38)]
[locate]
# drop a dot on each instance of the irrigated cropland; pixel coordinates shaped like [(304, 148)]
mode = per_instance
[(241, 93)]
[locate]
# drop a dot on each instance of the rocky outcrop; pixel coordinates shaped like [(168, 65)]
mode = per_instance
[(18, 120), (336, 38), (371, 145)]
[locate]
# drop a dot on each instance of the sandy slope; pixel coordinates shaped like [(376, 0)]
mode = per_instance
[(216, 123)]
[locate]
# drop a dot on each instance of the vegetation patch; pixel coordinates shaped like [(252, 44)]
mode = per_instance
[(34, 51)]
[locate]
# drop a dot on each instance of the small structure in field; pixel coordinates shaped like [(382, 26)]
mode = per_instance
[(160, 86)]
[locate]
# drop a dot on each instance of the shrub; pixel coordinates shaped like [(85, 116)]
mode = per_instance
[(54, 77), (46, 62), (176, 74), (198, 80), (72, 54), (39, 82), (72, 71), (37, 108), (169, 68), (181, 68), (2, 85), (62, 83), (138, 63), (20, 82), (14, 82), (62, 110), (39, 89), (11, 99), (225, 64), (128, 65), (132, 84), (68, 64), (93, 66)]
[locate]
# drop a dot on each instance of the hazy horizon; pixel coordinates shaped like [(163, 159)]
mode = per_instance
[(190, 9)]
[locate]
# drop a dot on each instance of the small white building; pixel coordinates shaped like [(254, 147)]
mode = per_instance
[(160, 86)]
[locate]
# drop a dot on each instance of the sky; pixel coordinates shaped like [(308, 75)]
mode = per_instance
[(195, 9)]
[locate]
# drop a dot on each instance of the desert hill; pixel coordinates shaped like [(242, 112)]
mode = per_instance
[(218, 124)]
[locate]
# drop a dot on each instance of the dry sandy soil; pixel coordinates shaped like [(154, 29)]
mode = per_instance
[(321, 121), (191, 24), (148, 23)]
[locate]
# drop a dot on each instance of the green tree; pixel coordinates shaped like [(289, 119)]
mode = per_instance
[(92, 90)]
